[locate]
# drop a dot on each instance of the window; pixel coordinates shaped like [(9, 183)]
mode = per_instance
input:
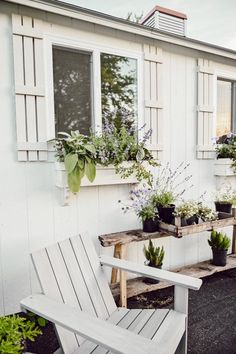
[(118, 89), (226, 119), (72, 90)]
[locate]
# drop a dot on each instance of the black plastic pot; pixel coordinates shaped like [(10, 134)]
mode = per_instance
[(150, 225), (192, 220), (219, 257), (150, 280), (224, 207), (166, 213)]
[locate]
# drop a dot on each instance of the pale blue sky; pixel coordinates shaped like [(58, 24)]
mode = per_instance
[(212, 21)]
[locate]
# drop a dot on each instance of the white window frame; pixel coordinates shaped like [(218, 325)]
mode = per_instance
[(95, 51), (223, 75)]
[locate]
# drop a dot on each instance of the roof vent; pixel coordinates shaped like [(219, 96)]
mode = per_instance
[(166, 20)]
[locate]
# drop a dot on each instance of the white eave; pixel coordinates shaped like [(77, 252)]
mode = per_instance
[(76, 12)]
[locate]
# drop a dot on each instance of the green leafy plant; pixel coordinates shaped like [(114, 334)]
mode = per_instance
[(163, 199), (226, 148), (226, 196), (14, 331), (154, 255), (42, 322), (219, 241), (147, 212), (79, 156)]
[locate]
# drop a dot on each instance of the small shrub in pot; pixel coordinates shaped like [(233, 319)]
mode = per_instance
[(220, 244), (225, 200), (154, 258), (164, 203), (187, 211)]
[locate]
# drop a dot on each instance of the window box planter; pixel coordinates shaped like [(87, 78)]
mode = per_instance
[(104, 176), (223, 168)]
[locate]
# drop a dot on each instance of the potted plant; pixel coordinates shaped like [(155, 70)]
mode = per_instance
[(225, 200), (220, 244), (14, 332), (164, 203), (141, 204), (154, 258), (205, 213), (226, 155), (187, 212)]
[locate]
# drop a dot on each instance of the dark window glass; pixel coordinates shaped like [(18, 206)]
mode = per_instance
[(72, 90), (225, 121)]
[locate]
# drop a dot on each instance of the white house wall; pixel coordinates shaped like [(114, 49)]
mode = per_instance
[(31, 215)]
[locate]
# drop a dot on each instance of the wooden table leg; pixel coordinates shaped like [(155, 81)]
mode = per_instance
[(234, 240), (114, 271), (123, 284)]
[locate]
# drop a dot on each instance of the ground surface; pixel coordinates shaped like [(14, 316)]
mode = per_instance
[(212, 316)]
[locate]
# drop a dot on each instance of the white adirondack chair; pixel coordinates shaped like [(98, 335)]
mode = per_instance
[(77, 299)]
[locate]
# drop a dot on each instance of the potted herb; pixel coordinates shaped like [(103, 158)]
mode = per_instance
[(14, 332), (187, 212), (164, 203), (141, 204), (220, 244), (225, 200), (154, 258), (205, 213)]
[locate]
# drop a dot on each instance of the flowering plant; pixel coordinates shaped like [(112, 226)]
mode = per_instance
[(141, 204), (206, 213), (186, 209), (114, 145), (168, 186), (226, 148), (226, 196)]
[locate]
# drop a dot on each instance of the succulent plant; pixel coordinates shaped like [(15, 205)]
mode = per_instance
[(219, 241), (154, 255)]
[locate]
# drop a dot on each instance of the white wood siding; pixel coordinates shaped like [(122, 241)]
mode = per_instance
[(31, 215)]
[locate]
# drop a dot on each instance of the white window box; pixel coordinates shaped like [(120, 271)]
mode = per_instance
[(223, 167), (104, 176)]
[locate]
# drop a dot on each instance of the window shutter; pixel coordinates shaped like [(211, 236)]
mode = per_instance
[(29, 88), (153, 67), (205, 110)]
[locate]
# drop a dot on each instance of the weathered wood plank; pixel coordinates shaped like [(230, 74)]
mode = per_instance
[(137, 286), (124, 237)]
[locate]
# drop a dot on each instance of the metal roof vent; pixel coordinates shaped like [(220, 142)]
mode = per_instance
[(166, 20)]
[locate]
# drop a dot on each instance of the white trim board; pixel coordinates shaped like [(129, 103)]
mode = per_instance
[(111, 22)]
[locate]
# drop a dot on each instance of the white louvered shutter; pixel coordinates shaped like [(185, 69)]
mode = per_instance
[(29, 88), (153, 72), (205, 110)]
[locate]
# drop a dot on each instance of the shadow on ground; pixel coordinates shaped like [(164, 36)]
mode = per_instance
[(212, 316)]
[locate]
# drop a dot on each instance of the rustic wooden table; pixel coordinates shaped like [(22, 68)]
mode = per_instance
[(120, 240)]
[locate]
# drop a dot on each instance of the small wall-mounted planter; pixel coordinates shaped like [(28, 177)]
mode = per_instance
[(104, 176), (223, 168)]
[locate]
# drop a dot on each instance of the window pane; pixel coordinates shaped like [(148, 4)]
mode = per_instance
[(224, 107), (119, 89), (72, 90)]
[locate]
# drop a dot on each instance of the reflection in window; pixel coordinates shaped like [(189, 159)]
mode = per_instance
[(224, 107), (72, 90), (118, 89)]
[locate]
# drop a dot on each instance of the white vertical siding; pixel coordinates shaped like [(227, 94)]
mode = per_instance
[(31, 215)]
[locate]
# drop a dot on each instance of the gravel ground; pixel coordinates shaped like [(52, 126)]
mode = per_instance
[(212, 316)]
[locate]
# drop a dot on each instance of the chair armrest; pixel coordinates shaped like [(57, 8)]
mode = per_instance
[(101, 332), (154, 273)]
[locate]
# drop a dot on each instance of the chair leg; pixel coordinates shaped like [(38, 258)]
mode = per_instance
[(58, 351), (182, 347)]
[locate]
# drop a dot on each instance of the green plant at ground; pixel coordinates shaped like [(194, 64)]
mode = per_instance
[(186, 209), (14, 331), (42, 322), (205, 213), (154, 255), (219, 241)]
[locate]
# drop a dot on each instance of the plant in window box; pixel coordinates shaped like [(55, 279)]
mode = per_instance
[(226, 155), (141, 204), (187, 212), (220, 244), (154, 258), (168, 187)]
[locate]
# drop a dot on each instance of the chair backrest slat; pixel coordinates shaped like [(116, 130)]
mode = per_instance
[(70, 271)]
